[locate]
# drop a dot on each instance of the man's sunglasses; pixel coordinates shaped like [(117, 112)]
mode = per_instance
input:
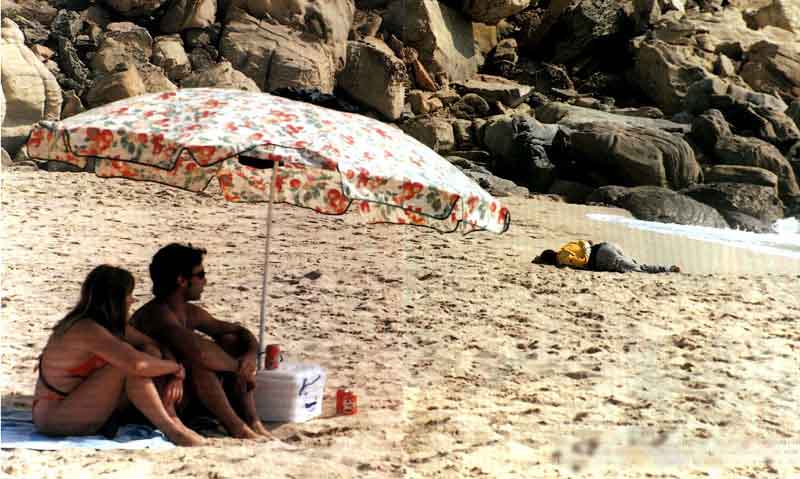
[(200, 274)]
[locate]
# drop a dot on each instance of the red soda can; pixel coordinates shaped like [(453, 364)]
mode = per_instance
[(272, 356), (346, 402)]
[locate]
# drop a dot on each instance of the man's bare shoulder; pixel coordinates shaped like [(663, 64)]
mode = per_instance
[(152, 312)]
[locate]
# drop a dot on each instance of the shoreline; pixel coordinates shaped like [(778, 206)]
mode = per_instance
[(696, 256)]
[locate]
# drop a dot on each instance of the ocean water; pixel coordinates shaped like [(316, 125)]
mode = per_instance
[(784, 242)]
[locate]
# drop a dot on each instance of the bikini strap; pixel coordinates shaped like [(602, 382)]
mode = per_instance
[(44, 381)]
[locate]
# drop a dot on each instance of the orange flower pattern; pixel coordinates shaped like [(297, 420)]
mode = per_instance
[(331, 162)]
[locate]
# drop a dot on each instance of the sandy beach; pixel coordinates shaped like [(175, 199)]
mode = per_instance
[(468, 360)]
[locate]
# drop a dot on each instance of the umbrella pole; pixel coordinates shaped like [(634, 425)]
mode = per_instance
[(263, 316)]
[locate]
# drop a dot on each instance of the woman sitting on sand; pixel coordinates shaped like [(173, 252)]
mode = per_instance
[(89, 369), (583, 254)]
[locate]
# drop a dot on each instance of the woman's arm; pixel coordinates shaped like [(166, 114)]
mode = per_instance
[(120, 354)]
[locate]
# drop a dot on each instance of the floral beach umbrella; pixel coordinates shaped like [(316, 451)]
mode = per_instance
[(264, 148)]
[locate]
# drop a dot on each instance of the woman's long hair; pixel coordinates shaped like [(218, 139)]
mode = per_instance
[(102, 300)]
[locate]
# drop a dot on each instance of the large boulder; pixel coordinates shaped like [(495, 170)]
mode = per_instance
[(779, 13), (585, 29), (744, 151), (277, 56), (221, 75), (611, 154), (185, 14), (329, 21), (442, 36), (492, 11), (375, 76), (30, 91), (169, 54), (653, 203), (576, 116), (116, 86), (709, 128), (741, 174), (774, 68), (735, 199), (122, 43), (435, 133)]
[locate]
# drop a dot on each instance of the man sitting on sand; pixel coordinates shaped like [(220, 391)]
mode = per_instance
[(583, 254), (218, 372)]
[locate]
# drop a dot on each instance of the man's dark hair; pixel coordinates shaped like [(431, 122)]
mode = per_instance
[(169, 263), (547, 256)]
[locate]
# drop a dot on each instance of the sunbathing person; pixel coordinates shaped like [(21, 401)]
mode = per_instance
[(583, 254), (221, 372), (90, 367)]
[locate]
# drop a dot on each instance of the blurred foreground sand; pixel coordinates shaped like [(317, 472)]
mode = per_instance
[(468, 360)]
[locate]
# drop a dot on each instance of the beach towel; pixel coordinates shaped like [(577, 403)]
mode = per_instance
[(18, 432)]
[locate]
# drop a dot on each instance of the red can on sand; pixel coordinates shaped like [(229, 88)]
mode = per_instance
[(346, 402), (272, 356)]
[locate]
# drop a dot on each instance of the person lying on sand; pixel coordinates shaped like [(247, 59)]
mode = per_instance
[(220, 372), (90, 367), (583, 254)]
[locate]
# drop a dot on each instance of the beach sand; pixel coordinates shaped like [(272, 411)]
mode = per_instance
[(468, 360)]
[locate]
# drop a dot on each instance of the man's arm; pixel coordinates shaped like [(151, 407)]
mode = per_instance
[(203, 321), (190, 346)]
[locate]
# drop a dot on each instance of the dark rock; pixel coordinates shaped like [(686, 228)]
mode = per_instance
[(571, 191), (710, 93), (496, 186), (202, 37), (67, 24), (544, 77), (757, 201), (769, 125), (35, 33), (76, 5), (653, 203), (71, 64), (607, 195), (792, 206), (201, 59), (588, 28), (338, 101), (39, 11), (794, 112), (612, 154), (741, 174), (793, 156), (742, 221), (470, 106), (738, 150), (708, 128)]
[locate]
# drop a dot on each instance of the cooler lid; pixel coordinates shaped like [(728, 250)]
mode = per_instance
[(288, 370)]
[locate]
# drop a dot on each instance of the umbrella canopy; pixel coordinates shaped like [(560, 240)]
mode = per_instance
[(329, 161)]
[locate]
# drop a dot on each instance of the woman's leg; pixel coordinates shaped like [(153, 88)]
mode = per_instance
[(143, 393), (86, 409)]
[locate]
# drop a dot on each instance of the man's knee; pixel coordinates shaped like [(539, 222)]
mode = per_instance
[(230, 343)]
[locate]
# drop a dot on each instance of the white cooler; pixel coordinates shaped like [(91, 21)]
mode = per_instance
[(291, 393)]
